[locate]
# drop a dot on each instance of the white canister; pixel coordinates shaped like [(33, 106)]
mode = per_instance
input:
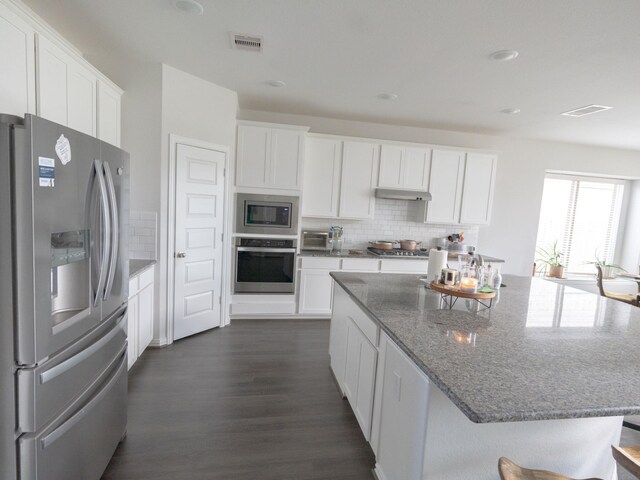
[(449, 276)]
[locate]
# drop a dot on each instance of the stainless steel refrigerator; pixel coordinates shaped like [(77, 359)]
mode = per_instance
[(63, 301)]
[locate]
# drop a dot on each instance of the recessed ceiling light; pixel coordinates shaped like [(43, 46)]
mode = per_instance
[(188, 6), (588, 110), (503, 55), (276, 83), (388, 96), (510, 111)]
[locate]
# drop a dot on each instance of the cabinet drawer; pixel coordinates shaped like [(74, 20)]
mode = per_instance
[(145, 278), (361, 264), (404, 266), (320, 262), (367, 326)]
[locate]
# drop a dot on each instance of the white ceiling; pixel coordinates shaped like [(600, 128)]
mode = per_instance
[(336, 56)]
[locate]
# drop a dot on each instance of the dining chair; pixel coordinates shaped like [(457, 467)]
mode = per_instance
[(621, 297), (628, 458), (510, 471)]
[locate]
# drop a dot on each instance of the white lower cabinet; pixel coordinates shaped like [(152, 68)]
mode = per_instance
[(354, 356), (387, 392), (316, 289), (140, 317), (389, 265), (360, 374), (132, 328), (401, 415)]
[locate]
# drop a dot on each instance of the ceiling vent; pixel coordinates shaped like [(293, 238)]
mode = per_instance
[(251, 43), (588, 110)]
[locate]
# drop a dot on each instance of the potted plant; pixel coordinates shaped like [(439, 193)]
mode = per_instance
[(550, 258), (608, 269)]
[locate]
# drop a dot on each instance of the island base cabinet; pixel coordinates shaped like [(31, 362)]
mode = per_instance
[(360, 372), (338, 336), (577, 447), (402, 398)]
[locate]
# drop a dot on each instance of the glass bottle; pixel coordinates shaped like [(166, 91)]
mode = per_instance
[(496, 281)]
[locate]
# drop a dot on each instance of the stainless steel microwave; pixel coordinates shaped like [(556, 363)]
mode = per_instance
[(266, 214)]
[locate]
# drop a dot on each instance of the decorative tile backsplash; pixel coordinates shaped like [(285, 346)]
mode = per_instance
[(393, 220), (143, 228)]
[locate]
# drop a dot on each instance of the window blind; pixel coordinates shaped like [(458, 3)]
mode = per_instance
[(582, 215)]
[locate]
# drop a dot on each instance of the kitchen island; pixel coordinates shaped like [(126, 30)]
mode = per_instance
[(543, 377)]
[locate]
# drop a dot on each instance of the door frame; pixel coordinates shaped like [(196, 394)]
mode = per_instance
[(174, 141)]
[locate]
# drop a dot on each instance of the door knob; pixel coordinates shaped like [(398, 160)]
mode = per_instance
[(180, 255)]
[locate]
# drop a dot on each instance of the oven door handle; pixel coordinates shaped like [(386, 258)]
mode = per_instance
[(266, 250)]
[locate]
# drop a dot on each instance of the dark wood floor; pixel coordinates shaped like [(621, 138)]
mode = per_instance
[(254, 400)]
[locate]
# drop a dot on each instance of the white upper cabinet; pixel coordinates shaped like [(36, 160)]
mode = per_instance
[(48, 78), (359, 178), (322, 171), (270, 157), (477, 196), (108, 114), (67, 89), (404, 167), (445, 186), (17, 77)]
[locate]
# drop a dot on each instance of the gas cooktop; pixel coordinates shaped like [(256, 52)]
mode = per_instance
[(398, 252)]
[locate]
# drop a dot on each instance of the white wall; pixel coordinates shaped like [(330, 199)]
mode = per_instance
[(520, 174), (199, 110)]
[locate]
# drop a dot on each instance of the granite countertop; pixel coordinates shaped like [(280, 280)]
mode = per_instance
[(367, 254), (136, 267), (544, 351)]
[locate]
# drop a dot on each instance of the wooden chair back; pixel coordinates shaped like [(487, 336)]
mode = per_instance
[(510, 471), (599, 281), (628, 458)]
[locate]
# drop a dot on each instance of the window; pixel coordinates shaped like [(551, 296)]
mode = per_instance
[(582, 215)]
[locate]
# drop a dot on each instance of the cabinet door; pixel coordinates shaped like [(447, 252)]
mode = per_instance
[(359, 379), (316, 289), (352, 365), (359, 178), (403, 416), (391, 166), (132, 331), (81, 97), (254, 150), (145, 318), (287, 147), (53, 78), (322, 165), (338, 335), (363, 407), (108, 114), (445, 186), (416, 165), (17, 81), (477, 193)]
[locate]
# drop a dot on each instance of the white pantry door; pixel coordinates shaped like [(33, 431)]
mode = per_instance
[(198, 241)]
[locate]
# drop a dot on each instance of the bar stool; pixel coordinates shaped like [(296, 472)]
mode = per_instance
[(621, 297), (510, 471), (628, 458)]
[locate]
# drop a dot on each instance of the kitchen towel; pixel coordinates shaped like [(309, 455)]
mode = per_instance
[(437, 261)]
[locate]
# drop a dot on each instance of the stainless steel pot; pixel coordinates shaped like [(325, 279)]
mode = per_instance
[(382, 244), (408, 244)]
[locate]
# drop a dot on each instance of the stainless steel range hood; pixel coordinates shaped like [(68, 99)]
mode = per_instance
[(397, 194)]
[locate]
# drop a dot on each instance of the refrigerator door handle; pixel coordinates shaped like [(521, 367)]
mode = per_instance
[(106, 231), (115, 234)]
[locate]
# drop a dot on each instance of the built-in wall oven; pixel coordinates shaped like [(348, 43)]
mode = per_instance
[(265, 265), (266, 214)]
